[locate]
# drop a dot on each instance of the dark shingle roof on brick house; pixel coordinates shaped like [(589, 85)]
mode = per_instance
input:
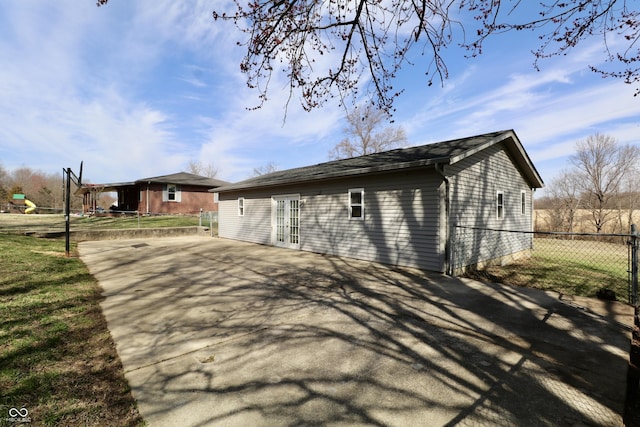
[(184, 178)]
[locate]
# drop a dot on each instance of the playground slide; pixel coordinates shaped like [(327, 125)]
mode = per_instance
[(32, 207)]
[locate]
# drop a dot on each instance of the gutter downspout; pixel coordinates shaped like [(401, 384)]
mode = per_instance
[(447, 202), (148, 197)]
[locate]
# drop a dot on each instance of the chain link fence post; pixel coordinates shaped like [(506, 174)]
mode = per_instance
[(633, 268)]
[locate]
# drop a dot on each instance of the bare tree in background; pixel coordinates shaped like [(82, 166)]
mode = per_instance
[(565, 192), (44, 189), (265, 169), (601, 167), (629, 199), (4, 186), (366, 134), (199, 168)]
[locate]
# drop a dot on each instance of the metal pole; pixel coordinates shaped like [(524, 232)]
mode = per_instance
[(633, 299), (634, 267), (67, 212)]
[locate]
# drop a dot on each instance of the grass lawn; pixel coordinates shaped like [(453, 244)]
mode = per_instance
[(57, 358), (21, 223), (574, 267), (135, 222)]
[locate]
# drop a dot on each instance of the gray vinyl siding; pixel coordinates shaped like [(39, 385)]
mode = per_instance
[(475, 183), (254, 226), (401, 226)]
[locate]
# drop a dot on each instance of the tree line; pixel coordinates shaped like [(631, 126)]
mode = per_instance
[(42, 188), (598, 191)]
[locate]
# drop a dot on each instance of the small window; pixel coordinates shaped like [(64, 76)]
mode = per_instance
[(523, 202), (171, 193), (240, 206), (356, 203), (500, 205)]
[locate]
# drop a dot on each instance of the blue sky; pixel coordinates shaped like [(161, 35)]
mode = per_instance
[(137, 89)]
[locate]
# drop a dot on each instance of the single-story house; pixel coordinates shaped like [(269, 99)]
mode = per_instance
[(178, 193), (427, 206)]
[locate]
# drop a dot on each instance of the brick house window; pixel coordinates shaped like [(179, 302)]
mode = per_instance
[(171, 193)]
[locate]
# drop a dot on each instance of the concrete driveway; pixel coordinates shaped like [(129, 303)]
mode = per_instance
[(218, 332)]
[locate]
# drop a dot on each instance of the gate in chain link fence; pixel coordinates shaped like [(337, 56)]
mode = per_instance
[(209, 219), (584, 264)]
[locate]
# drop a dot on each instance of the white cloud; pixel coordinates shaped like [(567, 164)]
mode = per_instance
[(241, 140), (137, 90)]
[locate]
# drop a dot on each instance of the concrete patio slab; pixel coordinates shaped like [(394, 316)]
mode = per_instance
[(218, 332)]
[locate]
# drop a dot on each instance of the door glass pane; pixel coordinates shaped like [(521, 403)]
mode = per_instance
[(294, 227), (280, 224)]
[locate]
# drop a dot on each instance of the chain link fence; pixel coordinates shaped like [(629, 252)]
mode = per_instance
[(585, 264), (51, 223), (209, 219)]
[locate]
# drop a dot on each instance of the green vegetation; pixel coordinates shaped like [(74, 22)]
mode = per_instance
[(57, 358), (573, 267), (97, 222)]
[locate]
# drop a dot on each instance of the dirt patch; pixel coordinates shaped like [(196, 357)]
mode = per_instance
[(50, 253)]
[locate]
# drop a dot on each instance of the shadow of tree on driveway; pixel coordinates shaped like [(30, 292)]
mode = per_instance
[(245, 334)]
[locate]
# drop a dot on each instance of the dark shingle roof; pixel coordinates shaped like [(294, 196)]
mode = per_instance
[(446, 152), (184, 178)]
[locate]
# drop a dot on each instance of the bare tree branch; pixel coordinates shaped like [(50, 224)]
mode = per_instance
[(288, 36), (198, 168), (294, 32), (364, 137), (265, 169)]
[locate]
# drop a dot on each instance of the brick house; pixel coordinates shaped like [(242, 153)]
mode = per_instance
[(178, 193)]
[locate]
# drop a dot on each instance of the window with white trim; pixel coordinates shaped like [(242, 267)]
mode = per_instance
[(500, 205), (171, 193), (523, 202), (240, 206), (356, 203)]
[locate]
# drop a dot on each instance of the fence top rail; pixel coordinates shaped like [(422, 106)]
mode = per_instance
[(548, 233)]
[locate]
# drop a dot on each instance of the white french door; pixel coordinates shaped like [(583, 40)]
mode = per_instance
[(285, 220)]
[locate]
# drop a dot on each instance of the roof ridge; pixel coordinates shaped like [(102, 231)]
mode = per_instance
[(449, 151)]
